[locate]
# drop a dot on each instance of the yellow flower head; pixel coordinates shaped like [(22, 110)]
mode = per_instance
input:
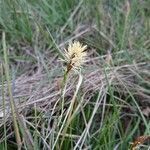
[(75, 55)]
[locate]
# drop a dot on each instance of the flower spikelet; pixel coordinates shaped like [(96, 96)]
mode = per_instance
[(75, 55)]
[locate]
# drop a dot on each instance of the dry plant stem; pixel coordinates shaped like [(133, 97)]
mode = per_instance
[(12, 104), (28, 141), (70, 110), (86, 130), (4, 105)]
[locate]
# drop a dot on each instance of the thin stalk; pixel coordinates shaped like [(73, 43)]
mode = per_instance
[(61, 103), (126, 28), (62, 90), (11, 100), (4, 106), (62, 100), (69, 112), (35, 132), (63, 87)]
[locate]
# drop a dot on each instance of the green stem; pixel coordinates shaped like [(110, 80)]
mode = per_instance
[(70, 110), (12, 104), (4, 105), (62, 100)]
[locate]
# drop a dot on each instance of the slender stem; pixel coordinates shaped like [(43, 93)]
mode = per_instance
[(69, 67), (62, 90), (62, 100), (4, 105), (36, 134), (70, 110), (12, 104)]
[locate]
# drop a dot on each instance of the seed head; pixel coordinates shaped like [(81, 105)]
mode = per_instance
[(75, 55)]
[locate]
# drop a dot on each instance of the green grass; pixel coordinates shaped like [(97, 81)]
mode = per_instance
[(102, 111)]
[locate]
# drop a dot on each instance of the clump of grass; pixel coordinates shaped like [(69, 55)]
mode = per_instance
[(106, 111)]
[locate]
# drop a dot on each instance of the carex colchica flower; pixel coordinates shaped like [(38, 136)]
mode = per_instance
[(75, 55)]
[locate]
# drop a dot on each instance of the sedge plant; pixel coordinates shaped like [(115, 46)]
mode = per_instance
[(75, 56)]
